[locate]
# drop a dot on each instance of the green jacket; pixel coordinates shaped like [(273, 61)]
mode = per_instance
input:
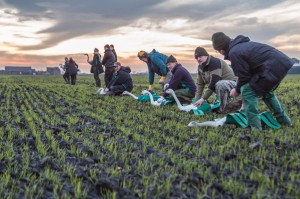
[(210, 73)]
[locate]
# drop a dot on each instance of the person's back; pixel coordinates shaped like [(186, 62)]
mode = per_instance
[(157, 62), (262, 60), (108, 58)]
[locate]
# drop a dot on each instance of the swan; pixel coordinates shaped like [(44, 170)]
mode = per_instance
[(132, 95), (187, 108), (154, 103), (101, 91), (88, 59), (216, 123)]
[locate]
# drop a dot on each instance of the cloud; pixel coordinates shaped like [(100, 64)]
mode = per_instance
[(171, 26)]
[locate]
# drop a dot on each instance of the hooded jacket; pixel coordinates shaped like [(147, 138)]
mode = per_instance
[(156, 64), (122, 77), (182, 79), (260, 65)]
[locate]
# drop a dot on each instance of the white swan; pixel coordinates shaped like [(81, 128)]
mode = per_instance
[(215, 123), (129, 93), (154, 103), (187, 108), (101, 91)]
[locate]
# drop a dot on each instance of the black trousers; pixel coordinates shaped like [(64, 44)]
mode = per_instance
[(73, 79), (66, 77), (96, 77), (109, 72)]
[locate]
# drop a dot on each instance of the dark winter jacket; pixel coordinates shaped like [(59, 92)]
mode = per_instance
[(108, 58), (156, 64), (260, 65), (182, 79), (96, 63), (72, 67), (210, 72), (122, 77)]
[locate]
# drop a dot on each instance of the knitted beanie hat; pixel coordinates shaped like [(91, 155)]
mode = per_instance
[(199, 51), (220, 41), (170, 59), (142, 54)]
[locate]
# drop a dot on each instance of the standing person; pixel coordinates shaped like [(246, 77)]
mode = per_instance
[(217, 75), (96, 64), (121, 80), (73, 68), (260, 69), (156, 63), (108, 62), (66, 75), (112, 48), (182, 82)]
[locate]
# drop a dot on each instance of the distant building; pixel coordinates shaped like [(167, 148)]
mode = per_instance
[(53, 70), (19, 70)]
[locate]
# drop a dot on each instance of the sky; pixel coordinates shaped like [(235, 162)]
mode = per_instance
[(40, 33)]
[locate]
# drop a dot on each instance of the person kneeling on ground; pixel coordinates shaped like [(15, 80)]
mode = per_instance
[(182, 82), (217, 75), (121, 80)]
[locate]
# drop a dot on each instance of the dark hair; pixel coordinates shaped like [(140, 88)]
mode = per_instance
[(111, 45), (106, 46)]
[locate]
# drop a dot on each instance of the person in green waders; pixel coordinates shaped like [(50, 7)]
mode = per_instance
[(260, 69)]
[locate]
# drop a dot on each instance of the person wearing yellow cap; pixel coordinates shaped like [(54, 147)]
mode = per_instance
[(156, 63)]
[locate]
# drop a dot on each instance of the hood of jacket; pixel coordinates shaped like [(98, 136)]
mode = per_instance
[(127, 69), (239, 39)]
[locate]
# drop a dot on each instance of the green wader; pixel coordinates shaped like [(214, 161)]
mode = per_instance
[(277, 110), (184, 96), (251, 107)]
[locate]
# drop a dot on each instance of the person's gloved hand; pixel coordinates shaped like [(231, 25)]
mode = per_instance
[(166, 86), (150, 87)]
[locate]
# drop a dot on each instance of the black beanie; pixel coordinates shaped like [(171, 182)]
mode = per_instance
[(170, 59), (199, 51), (220, 41)]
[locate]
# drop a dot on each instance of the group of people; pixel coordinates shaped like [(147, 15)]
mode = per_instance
[(71, 68), (255, 72), (117, 78)]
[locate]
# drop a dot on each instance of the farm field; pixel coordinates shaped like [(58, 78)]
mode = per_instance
[(63, 141)]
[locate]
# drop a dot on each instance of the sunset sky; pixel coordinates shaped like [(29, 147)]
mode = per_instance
[(41, 33)]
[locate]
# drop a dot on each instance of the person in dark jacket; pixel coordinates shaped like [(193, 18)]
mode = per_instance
[(121, 80), (66, 75), (182, 82), (112, 48), (108, 61), (156, 63), (72, 69), (217, 75), (96, 64), (260, 69)]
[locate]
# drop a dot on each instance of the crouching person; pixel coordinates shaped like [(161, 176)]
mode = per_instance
[(182, 82), (217, 75), (121, 80)]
